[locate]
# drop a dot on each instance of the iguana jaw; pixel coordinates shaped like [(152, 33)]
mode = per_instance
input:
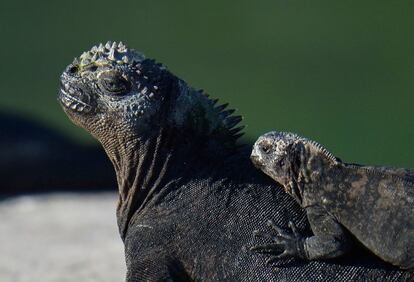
[(70, 101)]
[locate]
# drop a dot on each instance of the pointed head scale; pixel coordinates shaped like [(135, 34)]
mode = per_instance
[(109, 53)]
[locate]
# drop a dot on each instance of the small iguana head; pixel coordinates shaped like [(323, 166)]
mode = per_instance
[(115, 93), (276, 153), (290, 159)]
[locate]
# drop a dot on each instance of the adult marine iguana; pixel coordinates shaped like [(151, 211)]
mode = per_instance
[(189, 197), (375, 205)]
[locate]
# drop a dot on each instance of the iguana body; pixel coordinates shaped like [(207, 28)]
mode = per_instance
[(189, 197), (376, 205)]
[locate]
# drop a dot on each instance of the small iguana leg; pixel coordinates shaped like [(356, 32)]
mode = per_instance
[(329, 239), (286, 244)]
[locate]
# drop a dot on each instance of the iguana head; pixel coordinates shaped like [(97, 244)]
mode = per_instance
[(290, 159), (273, 153), (116, 93)]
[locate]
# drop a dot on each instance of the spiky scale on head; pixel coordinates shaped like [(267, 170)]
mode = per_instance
[(110, 53)]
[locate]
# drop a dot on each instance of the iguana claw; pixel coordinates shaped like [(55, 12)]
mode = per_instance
[(285, 244)]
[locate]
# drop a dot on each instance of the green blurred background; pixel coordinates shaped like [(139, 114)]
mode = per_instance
[(340, 72)]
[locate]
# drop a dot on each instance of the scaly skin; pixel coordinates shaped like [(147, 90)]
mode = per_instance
[(375, 204), (189, 197)]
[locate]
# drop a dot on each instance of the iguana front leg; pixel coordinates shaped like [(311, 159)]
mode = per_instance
[(329, 239), (285, 244)]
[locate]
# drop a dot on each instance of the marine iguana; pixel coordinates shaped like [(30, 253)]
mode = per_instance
[(375, 205), (189, 197)]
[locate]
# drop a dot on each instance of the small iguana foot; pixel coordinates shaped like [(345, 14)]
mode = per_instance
[(285, 244)]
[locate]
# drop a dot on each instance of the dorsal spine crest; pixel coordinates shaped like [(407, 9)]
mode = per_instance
[(221, 120), (322, 150)]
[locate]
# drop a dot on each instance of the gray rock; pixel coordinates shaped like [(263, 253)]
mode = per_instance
[(60, 237)]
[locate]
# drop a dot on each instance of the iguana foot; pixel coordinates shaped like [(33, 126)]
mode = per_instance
[(285, 244)]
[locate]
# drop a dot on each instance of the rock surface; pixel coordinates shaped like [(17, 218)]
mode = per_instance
[(60, 237)]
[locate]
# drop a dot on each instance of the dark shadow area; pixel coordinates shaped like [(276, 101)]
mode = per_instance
[(35, 158)]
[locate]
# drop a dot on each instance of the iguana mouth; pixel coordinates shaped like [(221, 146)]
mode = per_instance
[(69, 101)]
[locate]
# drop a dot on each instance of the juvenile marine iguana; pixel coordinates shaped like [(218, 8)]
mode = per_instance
[(189, 197), (376, 205)]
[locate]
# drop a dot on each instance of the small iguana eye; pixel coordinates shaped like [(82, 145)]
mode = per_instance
[(114, 83), (265, 147), (282, 162)]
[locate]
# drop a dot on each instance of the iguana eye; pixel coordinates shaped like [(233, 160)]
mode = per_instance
[(265, 147), (114, 83)]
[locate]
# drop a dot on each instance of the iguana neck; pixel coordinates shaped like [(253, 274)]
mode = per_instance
[(143, 173), (144, 167), (140, 166), (313, 170), (189, 132)]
